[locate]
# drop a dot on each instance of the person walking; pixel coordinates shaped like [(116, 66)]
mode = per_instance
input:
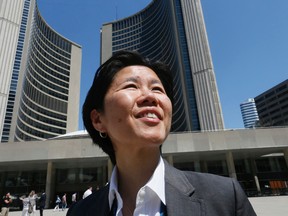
[(32, 199), (42, 203), (74, 198), (64, 202), (6, 201), (58, 201), (26, 203)]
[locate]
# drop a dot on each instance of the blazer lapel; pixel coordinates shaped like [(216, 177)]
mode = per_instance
[(179, 194)]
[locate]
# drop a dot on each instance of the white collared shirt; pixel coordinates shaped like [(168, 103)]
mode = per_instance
[(149, 197)]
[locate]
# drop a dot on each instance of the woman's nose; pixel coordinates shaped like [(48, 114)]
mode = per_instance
[(148, 98)]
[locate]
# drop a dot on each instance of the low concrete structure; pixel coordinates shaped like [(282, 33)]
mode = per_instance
[(70, 163)]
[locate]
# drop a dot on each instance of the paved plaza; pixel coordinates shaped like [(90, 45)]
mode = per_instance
[(270, 206), (264, 206)]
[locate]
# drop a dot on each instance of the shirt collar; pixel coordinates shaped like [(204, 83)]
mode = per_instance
[(113, 188), (155, 183)]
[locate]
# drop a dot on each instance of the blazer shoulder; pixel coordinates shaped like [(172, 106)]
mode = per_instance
[(95, 204), (220, 195), (210, 184), (202, 184)]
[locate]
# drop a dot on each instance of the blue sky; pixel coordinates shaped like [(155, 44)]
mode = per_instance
[(248, 42)]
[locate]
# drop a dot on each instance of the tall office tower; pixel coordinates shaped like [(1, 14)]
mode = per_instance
[(173, 31), (272, 106), (249, 113), (39, 75)]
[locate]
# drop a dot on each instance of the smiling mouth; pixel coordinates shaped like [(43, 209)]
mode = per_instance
[(151, 115)]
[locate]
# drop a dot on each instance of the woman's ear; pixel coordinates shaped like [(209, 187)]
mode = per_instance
[(96, 121)]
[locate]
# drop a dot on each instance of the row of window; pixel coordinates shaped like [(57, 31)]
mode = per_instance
[(57, 68), (43, 88), (135, 39), (47, 87), (133, 30), (22, 182), (51, 129), (50, 48), (278, 92), (131, 23), (51, 70), (50, 55), (49, 33), (44, 100), (275, 107), (81, 175), (37, 116), (48, 77), (43, 110), (56, 87), (32, 130)]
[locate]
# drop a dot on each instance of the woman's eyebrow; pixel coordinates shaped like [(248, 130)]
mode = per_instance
[(132, 79), (136, 79), (156, 81)]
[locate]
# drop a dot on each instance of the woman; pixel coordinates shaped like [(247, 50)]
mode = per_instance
[(26, 203), (128, 112), (32, 199)]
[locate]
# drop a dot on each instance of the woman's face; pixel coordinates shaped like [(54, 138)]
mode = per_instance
[(137, 111)]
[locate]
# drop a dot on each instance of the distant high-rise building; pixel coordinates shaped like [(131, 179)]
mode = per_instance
[(173, 31), (272, 106), (39, 75), (249, 113)]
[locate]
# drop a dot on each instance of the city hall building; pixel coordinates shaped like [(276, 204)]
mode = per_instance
[(257, 158), (174, 32), (39, 75)]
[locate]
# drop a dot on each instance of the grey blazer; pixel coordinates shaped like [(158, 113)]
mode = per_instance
[(187, 193)]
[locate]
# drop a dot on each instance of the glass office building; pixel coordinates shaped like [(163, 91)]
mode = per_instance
[(249, 113), (272, 106), (46, 67), (173, 31)]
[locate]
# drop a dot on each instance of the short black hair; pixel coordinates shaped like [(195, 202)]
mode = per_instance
[(102, 81)]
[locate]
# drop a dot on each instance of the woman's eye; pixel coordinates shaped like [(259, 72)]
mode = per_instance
[(158, 88), (131, 86)]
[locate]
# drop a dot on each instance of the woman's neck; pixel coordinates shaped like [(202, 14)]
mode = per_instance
[(134, 171)]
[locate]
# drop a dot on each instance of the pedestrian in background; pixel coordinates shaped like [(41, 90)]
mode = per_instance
[(6, 201), (26, 203), (32, 199), (42, 202), (57, 202), (64, 202), (74, 198)]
